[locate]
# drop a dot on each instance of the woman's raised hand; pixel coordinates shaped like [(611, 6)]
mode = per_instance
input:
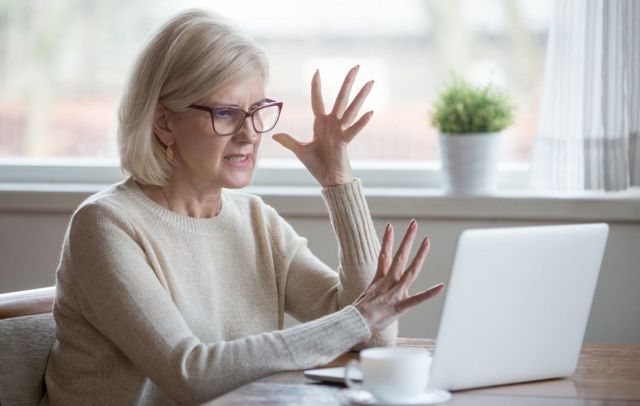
[(326, 155), (387, 297)]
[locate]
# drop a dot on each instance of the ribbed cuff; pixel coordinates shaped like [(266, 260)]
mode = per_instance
[(352, 223), (320, 341)]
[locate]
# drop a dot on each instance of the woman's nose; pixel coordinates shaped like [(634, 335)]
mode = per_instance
[(247, 133)]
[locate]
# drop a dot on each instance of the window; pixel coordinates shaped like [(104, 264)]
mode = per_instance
[(63, 64)]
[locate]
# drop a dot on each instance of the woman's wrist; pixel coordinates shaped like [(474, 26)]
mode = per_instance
[(336, 172), (337, 183), (337, 180)]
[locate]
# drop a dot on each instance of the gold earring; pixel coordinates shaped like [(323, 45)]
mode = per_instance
[(169, 153)]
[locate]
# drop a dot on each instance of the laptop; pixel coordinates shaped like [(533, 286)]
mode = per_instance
[(516, 306)]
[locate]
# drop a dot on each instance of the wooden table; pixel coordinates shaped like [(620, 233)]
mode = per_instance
[(606, 375)]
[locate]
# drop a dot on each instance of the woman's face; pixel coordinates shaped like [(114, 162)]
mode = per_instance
[(223, 161)]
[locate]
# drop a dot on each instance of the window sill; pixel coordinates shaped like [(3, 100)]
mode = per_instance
[(305, 201)]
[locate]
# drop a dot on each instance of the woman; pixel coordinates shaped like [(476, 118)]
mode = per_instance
[(171, 288)]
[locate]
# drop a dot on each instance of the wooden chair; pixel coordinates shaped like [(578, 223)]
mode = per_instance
[(27, 332), (27, 302)]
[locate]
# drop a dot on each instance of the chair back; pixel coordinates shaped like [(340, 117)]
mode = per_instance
[(25, 343), (27, 332)]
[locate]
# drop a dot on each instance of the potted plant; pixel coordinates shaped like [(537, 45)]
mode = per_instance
[(470, 120)]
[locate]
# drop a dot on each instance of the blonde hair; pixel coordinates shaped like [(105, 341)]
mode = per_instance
[(186, 61)]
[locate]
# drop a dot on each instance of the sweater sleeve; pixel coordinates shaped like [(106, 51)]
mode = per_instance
[(312, 288), (120, 296)]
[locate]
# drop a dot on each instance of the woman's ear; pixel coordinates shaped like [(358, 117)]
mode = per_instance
[(161, 126)]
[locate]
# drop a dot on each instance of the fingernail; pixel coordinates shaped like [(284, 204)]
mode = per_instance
[(356, 67), (371, 113), (387, 228), (412, 223), (372, 82), (425, 242)]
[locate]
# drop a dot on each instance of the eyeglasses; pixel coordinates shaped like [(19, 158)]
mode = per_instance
[(227, 120)]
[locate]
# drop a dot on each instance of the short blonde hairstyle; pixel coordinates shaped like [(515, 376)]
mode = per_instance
[(190, 57)]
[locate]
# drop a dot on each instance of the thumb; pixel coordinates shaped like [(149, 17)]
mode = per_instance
[(288, 142)]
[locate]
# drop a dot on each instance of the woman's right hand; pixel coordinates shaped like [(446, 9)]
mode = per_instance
[(387, 297)]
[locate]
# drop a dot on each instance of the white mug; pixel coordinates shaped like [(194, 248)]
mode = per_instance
[(392, 374)]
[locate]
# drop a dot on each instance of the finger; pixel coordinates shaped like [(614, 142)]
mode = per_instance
[(352, 111), (416, 299), (345, 91), (414, 269), (386, 255), (288, 142), (317, 104), (400, 259), (352, 131)]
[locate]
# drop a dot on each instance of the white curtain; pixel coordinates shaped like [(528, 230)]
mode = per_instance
[(589, 124)]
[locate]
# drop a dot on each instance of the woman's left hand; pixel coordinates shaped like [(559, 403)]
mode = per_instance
[(326, 155)]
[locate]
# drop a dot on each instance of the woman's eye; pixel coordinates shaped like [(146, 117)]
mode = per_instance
[(223, 113)]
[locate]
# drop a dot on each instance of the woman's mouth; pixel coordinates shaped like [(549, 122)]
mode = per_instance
[(239, 160)]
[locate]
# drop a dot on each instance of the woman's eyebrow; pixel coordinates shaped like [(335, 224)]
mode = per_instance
[(256, 104)]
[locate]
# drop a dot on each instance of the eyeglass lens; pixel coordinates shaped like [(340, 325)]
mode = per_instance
[(229, 121)]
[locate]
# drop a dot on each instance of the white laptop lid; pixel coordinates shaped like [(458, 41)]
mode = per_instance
[(517, 304)]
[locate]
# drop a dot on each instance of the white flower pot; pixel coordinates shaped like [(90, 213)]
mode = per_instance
[(470, 162)]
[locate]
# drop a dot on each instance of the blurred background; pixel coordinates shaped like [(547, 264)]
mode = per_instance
[(63, 64)]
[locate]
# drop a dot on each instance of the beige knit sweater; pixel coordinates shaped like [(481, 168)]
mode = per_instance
[(153, 307)]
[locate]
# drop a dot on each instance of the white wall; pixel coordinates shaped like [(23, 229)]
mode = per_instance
[(31, 232)]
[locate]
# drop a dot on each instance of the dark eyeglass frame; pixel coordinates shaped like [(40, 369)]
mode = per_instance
[(212, 110)]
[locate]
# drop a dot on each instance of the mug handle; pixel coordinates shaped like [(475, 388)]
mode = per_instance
[(350, 382)]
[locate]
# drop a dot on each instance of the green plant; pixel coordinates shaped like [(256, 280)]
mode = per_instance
[(463, 108)]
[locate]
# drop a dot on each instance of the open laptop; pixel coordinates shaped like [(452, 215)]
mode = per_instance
[(516, 307)]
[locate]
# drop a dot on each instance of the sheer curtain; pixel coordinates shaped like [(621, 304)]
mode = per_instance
[(589, 124)]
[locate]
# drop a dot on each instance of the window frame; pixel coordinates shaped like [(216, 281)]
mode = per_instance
[(269, 173)]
